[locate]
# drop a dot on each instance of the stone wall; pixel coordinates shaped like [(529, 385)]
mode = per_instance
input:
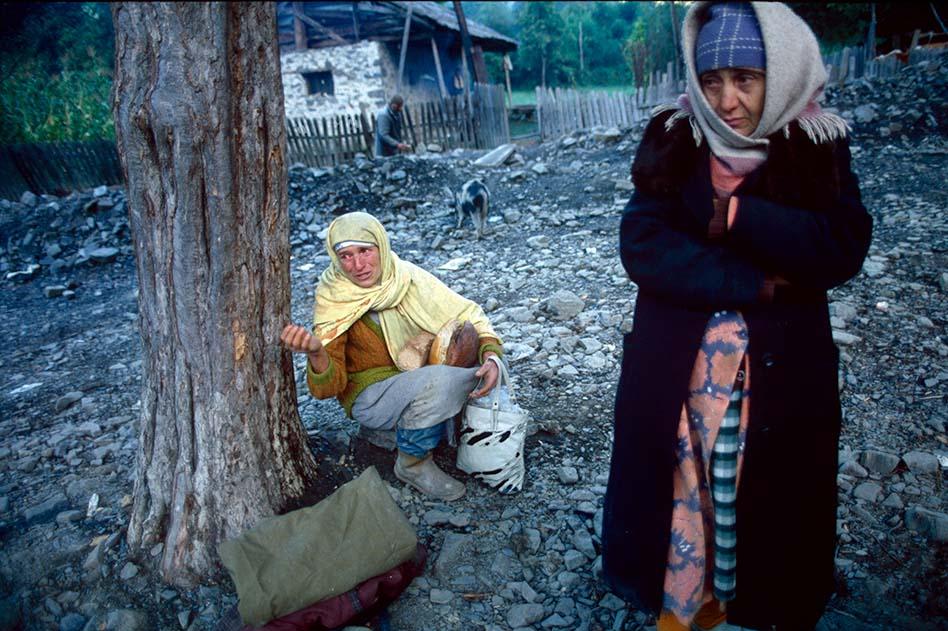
[(363, 76)]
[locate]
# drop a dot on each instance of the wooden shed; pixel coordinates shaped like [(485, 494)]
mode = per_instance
[(344, 56)]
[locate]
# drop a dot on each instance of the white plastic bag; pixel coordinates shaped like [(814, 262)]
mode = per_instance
[(493, 432)]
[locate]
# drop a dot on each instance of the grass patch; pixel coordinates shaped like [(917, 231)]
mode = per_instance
[(529, 97)]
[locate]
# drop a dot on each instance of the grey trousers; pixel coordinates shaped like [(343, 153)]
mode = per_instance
[(416, 399)]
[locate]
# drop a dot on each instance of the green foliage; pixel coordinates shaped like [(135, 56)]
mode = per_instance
[(651, 44), (550, 31), (55, 72)]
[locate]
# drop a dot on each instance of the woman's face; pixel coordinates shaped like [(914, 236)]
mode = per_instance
[(361, 264), (737, 96)]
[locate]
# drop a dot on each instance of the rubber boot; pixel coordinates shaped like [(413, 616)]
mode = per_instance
[(424, 475)]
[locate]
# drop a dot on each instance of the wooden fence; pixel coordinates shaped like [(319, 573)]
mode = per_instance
[(851, 64), (561, 111), (57, 168), (329, 141)]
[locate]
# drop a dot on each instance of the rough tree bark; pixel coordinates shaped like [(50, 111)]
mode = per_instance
[(198, 105)]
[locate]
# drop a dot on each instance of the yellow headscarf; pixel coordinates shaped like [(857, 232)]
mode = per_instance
[(409, 300)]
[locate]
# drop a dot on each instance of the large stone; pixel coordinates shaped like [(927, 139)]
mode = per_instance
[(46, 510), (568, 475), (612, 602), (868, 491), (441, 596), (574, 559), (921, 462), (120, 620), (67, 400), (927, 522), (128, 571), (524, 615), (853, 468), (103, 255), (564, 304), (28, 199), (457, 549), (845, 339), (497, 156), (879, 462), (584, 543), (612, 134), (72, 622), (865, 114)]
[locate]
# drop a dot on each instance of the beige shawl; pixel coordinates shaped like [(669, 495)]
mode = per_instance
[(408, 299)]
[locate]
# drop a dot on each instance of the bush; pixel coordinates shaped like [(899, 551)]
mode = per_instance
[(71, 105)]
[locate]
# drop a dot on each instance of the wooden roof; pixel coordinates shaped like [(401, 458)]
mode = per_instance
[(339, 23)]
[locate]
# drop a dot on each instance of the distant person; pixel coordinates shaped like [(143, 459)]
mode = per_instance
[(721, 501), (388, 129)]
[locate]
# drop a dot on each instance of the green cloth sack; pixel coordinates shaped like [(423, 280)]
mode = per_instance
[(291, 561)]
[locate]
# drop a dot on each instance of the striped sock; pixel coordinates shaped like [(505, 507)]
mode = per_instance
[(724, 496)]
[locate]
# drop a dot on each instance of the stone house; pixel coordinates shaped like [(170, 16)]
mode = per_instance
[(343, 57)]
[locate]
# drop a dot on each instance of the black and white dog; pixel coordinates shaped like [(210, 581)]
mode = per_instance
[(473, 200)]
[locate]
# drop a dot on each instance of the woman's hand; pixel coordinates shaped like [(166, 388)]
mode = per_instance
[(299, 340), (489, 373)]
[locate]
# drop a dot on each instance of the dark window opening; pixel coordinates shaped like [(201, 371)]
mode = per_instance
[(319, 82)]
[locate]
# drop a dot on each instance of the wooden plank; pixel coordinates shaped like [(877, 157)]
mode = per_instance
[(340, 139), (437, 59), (347, 137), (366, 133), (404, 49), (290, 149), (320, 28), (308, 141), (410, 126), (324, 126), (538, 97), (299, 28), (431, 113), (373, 124), (322, 140), (302, 151), (296, 148)]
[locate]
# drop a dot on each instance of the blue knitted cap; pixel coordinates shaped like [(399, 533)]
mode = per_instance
[(730, 38)]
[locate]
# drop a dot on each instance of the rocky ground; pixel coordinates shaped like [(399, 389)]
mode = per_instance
[(549, 276)]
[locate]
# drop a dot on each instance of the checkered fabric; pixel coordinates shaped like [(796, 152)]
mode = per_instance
[(731, 38)]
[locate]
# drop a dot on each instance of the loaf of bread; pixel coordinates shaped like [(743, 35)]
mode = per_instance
[(456, 344), (415, 353)]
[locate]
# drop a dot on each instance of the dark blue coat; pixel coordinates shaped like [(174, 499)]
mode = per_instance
[(388, 132), (800, 217)]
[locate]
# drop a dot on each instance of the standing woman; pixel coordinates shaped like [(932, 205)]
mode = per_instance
[(722, 491)]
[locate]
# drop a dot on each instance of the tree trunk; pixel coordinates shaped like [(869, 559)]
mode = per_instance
[(198, 105), (582, 65)]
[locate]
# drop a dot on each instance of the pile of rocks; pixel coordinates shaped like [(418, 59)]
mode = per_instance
[(910, 106), (52, 236)]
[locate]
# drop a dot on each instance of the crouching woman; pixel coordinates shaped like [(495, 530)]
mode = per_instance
[(721, 500), (370, 305)]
